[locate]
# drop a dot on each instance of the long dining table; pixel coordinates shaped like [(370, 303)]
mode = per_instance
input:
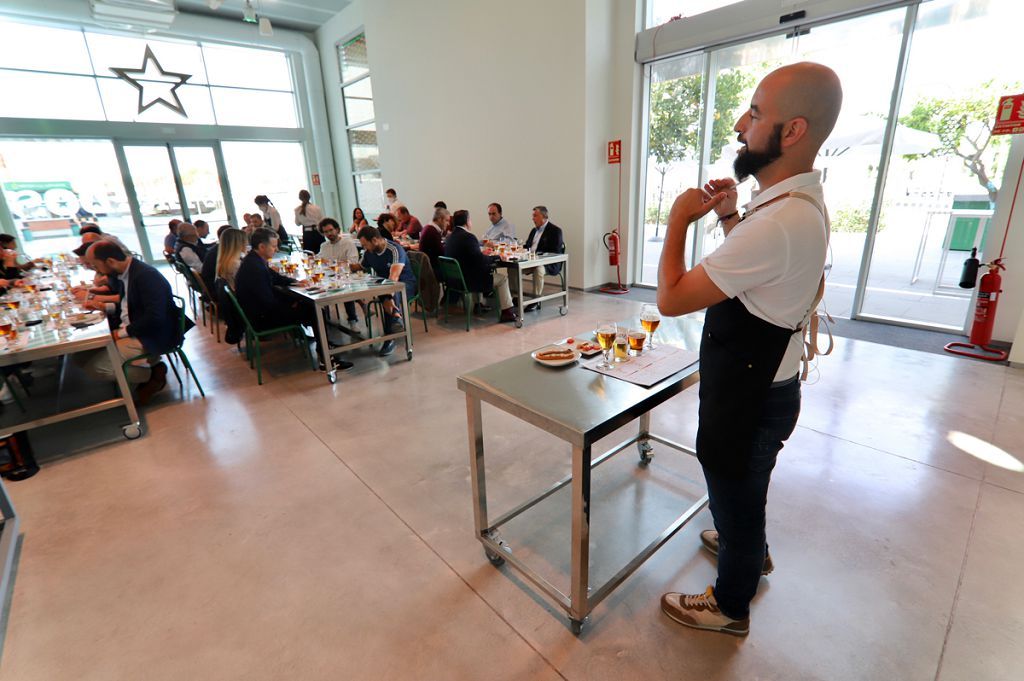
[(42, 341)]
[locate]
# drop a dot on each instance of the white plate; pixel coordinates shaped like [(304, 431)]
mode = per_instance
[(555, 362), (85, 318)]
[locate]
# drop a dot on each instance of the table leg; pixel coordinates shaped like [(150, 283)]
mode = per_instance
[(579, 592), (133, 429), (522, 294), (408, 327), (476, 464), (321, 330), (643, 444)]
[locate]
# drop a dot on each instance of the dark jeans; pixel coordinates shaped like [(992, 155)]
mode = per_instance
[(738, 505)]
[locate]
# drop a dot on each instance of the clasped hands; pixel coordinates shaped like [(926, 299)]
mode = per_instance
[(695, 203)]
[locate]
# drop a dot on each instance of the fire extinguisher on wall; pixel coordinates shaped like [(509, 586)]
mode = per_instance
[(989, 288), (611, 242)]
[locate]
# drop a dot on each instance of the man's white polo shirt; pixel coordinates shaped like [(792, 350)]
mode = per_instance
[(772, 260)]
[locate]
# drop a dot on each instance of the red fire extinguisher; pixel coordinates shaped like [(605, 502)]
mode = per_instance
[(611, 242), (989, 288)]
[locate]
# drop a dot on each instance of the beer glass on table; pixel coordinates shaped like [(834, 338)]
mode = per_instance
[(606, 332), (650, 318), (637, 338)]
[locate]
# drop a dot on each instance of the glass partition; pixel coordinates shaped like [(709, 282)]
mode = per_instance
[(946, 169), (673, 151), (276, 169), (49, 202)]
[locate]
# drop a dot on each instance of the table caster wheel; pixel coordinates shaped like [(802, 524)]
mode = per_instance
[(332, 377), (495, 559), (519, 322), (645, 449), (132, 431), (408, 355), (576, 626), (563, 310)]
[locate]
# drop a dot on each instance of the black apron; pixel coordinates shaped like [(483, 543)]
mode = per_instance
[(739, 357), (312, 239)]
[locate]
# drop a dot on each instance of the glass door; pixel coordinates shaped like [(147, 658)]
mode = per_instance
[(849, 159), (49, 201), (945, 168), (156, 193), (174, 181)]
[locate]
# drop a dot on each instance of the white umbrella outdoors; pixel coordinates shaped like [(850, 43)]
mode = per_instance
[(867, 131)]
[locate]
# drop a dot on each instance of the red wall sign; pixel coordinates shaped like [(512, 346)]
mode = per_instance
[(615, 151), (1010, 116), (316, 179)]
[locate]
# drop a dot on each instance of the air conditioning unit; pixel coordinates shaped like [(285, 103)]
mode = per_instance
[(134, 14)]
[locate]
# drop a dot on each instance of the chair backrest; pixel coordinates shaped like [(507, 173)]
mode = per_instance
[(238, 307), (451, 274), (417, 266), (179, 303)]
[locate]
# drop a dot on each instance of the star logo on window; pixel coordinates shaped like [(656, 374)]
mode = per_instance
[(155, 85)]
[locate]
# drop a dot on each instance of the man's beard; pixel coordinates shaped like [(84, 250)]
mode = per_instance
[(751, 162)]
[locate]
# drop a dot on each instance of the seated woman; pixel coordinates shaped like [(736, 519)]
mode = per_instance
[(233, 245), (10, 268), (358, 221)]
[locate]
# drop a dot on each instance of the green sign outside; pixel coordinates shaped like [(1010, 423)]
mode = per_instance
[(40, 187)]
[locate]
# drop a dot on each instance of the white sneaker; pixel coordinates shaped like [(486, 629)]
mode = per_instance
[(709, 539), (700, 611)]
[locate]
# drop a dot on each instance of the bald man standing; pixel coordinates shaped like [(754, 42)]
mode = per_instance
[(760, 287)]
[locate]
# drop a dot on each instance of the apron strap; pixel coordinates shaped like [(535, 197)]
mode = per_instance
[(812, 322)]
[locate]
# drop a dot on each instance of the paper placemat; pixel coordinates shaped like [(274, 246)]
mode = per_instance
[(649, 368)]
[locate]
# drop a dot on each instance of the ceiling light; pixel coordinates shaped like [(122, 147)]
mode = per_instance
[(266, 30), (249, 12)]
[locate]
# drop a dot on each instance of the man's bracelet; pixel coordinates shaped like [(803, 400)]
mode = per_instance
[(730, 216)]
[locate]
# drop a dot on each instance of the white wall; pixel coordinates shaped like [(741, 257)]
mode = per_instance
[(508, 102), (612, 101)]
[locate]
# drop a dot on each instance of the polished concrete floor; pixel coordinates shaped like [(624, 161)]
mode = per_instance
[(299, 530)]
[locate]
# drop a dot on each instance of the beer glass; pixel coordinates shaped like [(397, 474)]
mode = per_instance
[(650, 318), (637, 338), (606, 332)]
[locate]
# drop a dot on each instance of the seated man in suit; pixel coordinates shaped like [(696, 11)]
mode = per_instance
[(462, 245), (545, 237), (263, 304), (144, 321)]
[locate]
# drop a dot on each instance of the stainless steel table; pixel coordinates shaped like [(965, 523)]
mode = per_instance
[(579, 407), (519, 266), (339, 293), (44, 342)]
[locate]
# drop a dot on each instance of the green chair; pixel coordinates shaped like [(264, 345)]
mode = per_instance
[(418, 298), (178, 351), (186, 273), (253, 351), (452, 280)]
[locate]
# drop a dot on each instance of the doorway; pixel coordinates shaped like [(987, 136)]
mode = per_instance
[(910, 173), (167, 181)]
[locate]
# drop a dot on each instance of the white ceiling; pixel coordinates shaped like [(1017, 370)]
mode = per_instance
[(303, 15)]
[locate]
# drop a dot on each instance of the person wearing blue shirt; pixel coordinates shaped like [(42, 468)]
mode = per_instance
[(500, 229), (386, 259)]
